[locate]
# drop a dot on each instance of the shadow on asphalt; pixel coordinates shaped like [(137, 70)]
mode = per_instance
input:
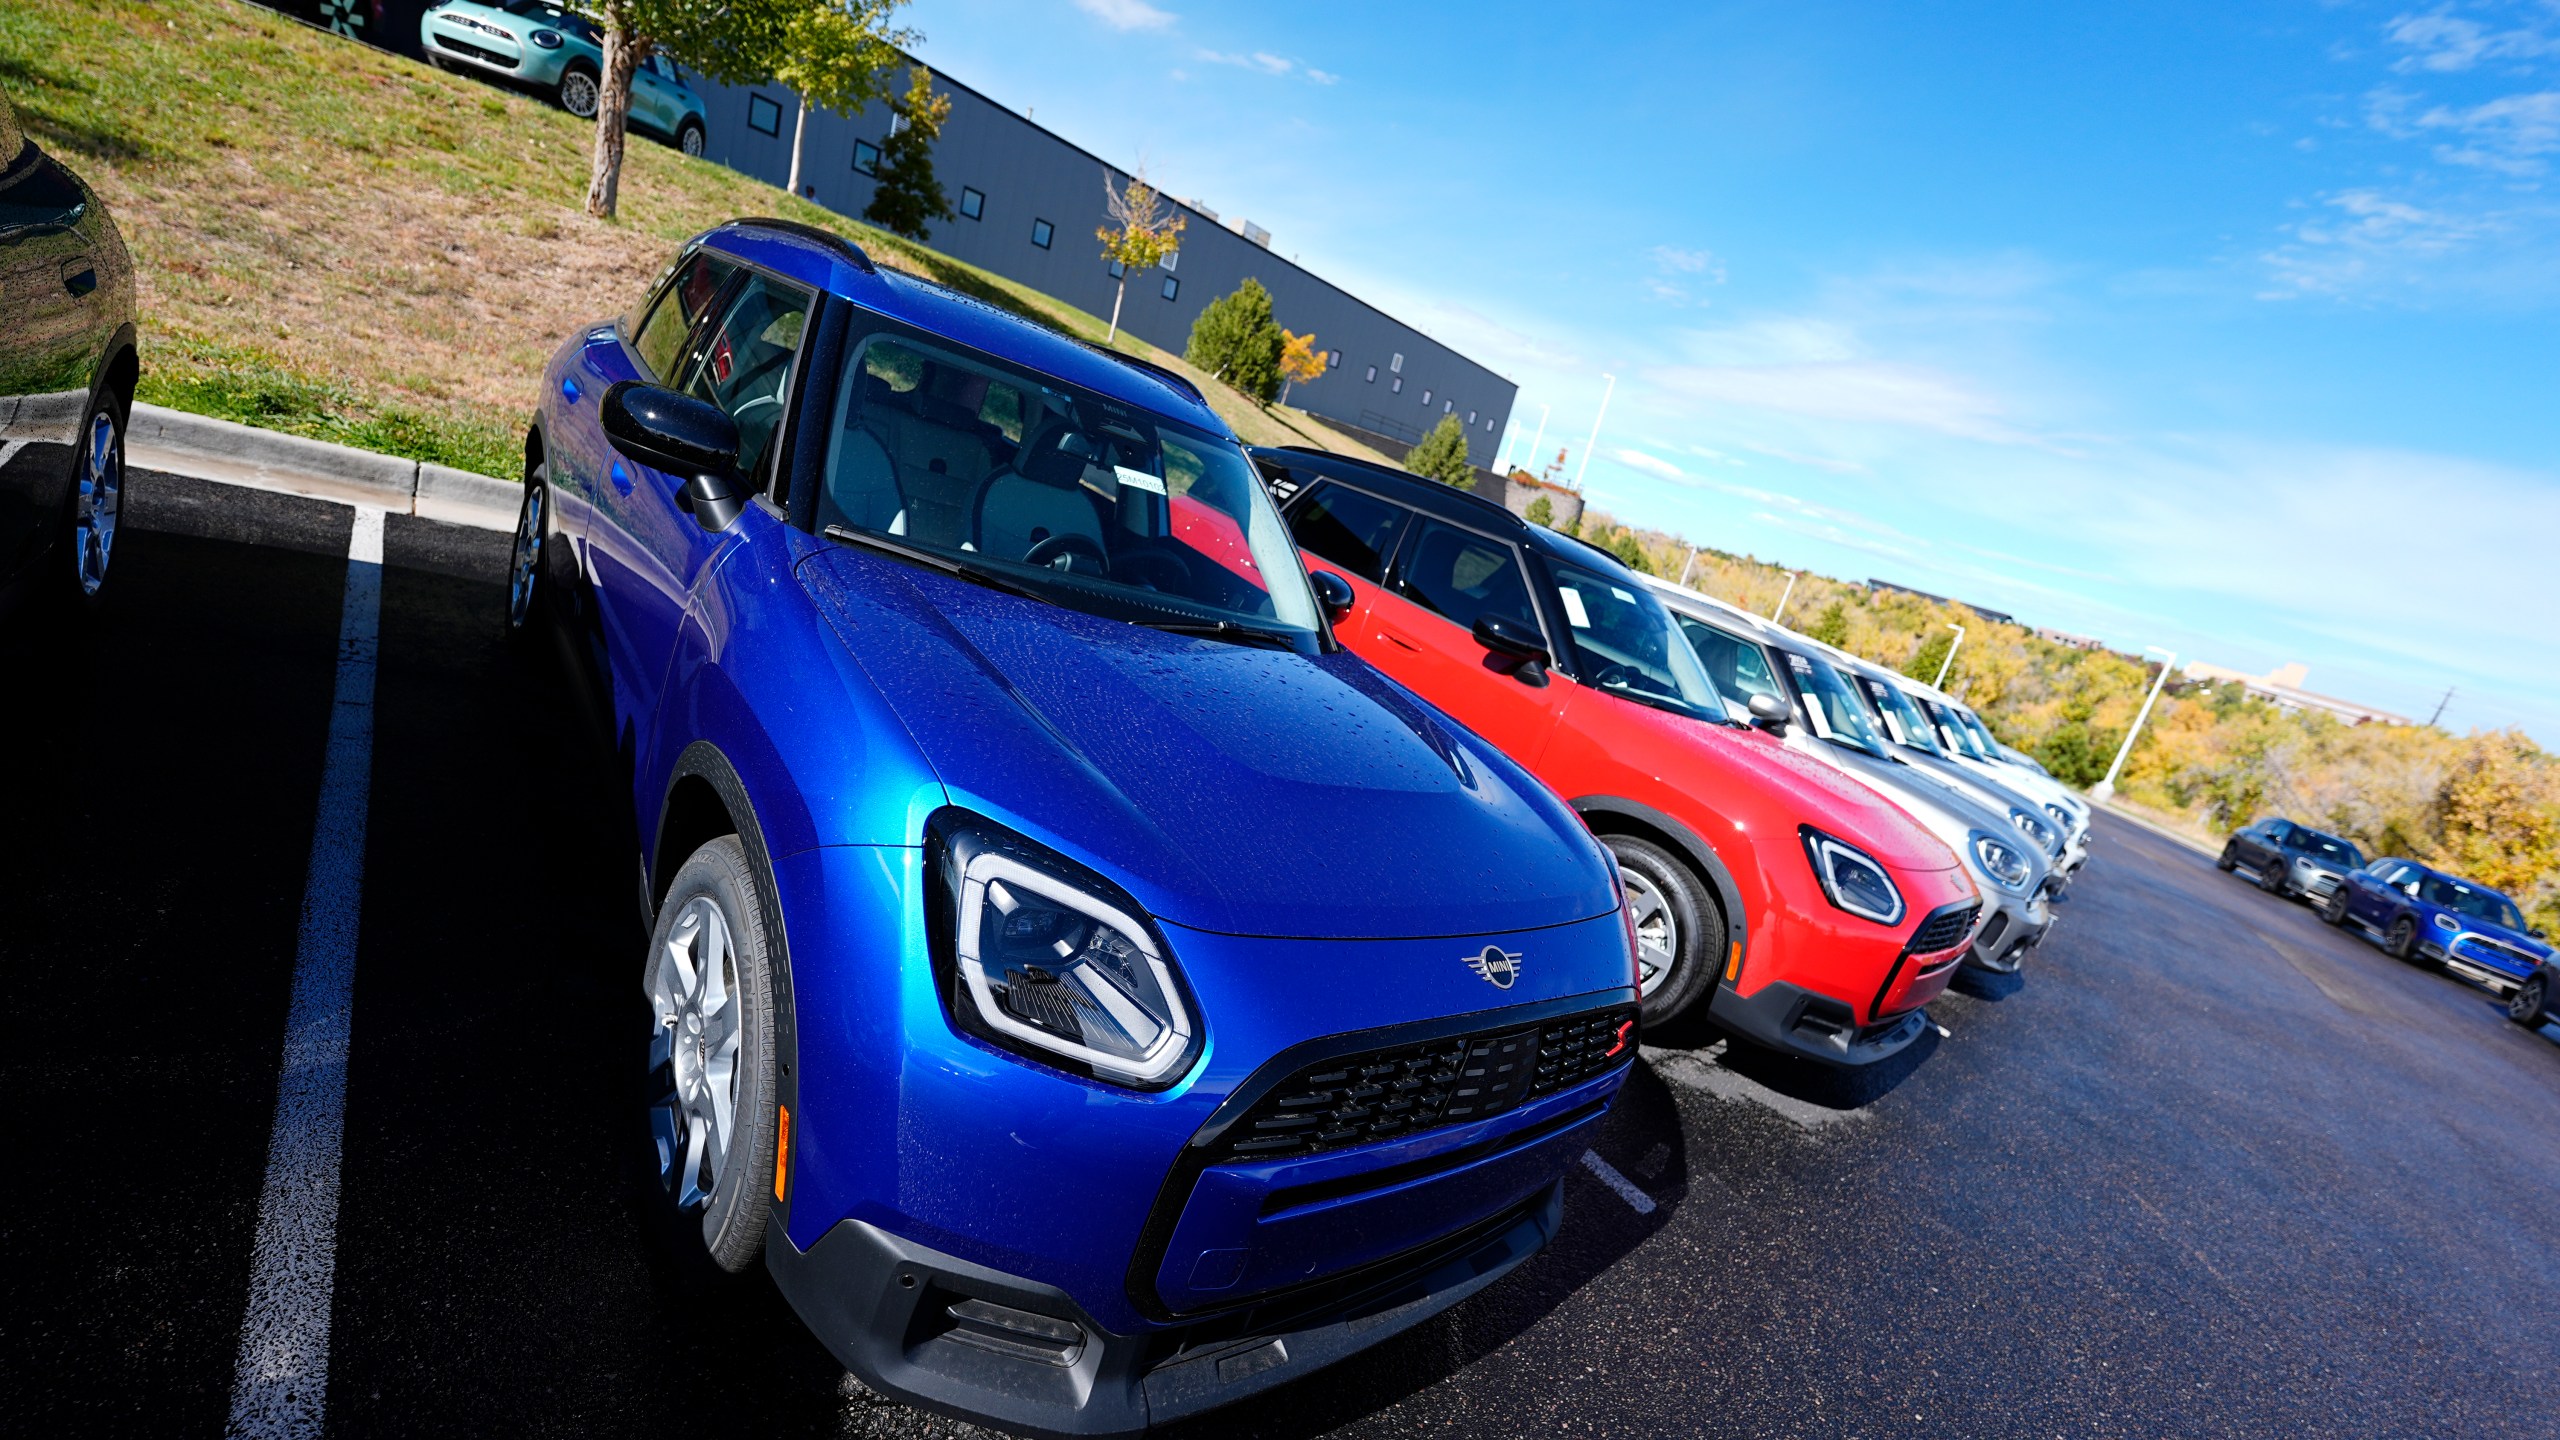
[(1986, 985)]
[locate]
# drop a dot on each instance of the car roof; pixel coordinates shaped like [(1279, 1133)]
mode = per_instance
[(826, 261), (1447, 502)]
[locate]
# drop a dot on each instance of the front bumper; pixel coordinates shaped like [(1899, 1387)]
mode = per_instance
[(2488, 960), (446, 38), (2015, 928), (938, 1332)]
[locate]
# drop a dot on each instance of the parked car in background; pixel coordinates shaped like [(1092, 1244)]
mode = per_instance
[(1092, 993), (1806, 912), (67, 372), (2424, 915), (1915, 741), (1748, 656), (1969, 742), (559, 53), (2290, 859)]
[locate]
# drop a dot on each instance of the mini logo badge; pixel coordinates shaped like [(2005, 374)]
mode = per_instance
[(1497, 965)]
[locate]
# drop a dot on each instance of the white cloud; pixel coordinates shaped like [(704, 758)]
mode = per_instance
[(1864, 391), (1653, 465), (2510, 134), (1265, 63), (1701, 263), (2369, 238), (2443, 42), (1811, 462), (1128, 14)]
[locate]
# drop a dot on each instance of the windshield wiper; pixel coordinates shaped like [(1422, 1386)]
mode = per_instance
[(897, 549), (1224, 630)]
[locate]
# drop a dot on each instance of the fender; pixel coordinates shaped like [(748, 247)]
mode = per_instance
[(704, 761), (1698, 852)]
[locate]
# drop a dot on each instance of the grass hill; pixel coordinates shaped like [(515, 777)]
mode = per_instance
[(338, 242)]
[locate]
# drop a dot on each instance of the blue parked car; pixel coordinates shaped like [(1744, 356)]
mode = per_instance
[(2422, 914), (1093, 993)]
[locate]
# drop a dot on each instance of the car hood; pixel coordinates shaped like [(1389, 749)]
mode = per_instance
[(1908, 785), (1228, 788), (2514, 939), (1830, 801)]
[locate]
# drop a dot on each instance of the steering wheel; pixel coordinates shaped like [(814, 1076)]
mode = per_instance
[(1152, 568), (1068, 547), (1612, 675)]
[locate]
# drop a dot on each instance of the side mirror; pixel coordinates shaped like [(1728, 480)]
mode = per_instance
[(681, 436), (1332, 592), (1770, 713), (1519, 640)]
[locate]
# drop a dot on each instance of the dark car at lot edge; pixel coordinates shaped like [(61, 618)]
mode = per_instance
[(1798, 908), (2291, 859), (2424, 915), (67, 372), (1093, 993)]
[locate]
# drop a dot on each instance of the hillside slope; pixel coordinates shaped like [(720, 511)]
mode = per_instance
[(342, 243)]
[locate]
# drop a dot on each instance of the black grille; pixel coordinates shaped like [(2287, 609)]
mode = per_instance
[(1943, 930), (476, 52), (1380, 1094)]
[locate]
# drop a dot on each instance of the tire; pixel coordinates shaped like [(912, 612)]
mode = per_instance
[(580, 91), (690, 138), (528, 598), (94, 514), (2525, 1006), (709, 980), (2403, 943), (2334, 908), (2271, 879), (1680, 932), (2225, 860)]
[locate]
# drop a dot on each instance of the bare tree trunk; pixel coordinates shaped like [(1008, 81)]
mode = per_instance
[(613, 118), (1116, 294), (799, 132)]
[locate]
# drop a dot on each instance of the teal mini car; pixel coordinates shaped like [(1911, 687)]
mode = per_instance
[(539, 46)]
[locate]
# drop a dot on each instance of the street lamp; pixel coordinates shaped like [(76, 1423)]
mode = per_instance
[(1536, 440), (1790, 591), (1941, 682), (1594, 442), (2107, 787)]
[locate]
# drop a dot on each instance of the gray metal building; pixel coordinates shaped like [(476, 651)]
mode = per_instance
[(1030, 202)]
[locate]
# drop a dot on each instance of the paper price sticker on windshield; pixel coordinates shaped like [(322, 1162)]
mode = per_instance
[(1140, 479), (1573, 610)]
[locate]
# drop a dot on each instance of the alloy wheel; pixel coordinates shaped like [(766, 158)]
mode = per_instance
[(99, 503), (693, 1053), (2525, 1006), (1657, 932), (691, 141), (525, 569), (578, 94), (2404, 938)]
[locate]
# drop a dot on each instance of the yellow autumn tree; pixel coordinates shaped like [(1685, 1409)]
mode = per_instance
[(1299, 360)]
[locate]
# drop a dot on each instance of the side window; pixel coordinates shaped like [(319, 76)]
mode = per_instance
[(744, 363), (919, 436), (1463, 576), (659, 342), (1354, 531), (1738, 667)]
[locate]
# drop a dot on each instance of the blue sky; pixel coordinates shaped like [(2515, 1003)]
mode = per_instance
[(2227, 327)]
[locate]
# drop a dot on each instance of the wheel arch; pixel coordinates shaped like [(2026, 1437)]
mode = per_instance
[(1613, 815)]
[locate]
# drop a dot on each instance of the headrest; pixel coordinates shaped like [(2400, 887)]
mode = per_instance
[(1056, 454)]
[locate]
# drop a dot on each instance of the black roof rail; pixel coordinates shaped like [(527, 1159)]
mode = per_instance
[(814, 234), (1465, 499), (1180, 384)]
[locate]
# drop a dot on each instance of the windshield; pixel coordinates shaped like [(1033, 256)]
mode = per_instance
[(1900, 715), (2312, 842), (1083, 500), (1837, 715), (2471, 900), (1737, 667), (1984, 742), (1951, 731), (1624, 643), (543, 12)]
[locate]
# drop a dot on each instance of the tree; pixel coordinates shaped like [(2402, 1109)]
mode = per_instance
[(1299, 361), (1832, 626), (1630, 552), (908, 194), (734, 42), (836, 55), (1442, 455), (1143, 230), (1542, 511), (1236, 340)]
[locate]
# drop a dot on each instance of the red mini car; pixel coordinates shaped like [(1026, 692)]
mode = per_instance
[(1812, 915)]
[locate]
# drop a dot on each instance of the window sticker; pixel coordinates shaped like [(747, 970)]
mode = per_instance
[(1573, 610), (1140, 479)]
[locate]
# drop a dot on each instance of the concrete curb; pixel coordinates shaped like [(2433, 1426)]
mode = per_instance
[(219, 450), (2156, 828)]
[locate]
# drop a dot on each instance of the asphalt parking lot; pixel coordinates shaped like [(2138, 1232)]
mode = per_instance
[(2209, 1168)]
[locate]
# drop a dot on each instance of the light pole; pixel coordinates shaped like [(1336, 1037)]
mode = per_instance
[(1941, 682), (2107, 787), (1789, 594), (1690, 565), (1594, 442), (1536, 440)]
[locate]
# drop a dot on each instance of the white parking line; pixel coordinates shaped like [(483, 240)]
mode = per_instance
[(281, 1381), (1610, 1177)]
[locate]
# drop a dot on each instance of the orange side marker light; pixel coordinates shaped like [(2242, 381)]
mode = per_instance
[(782, 1153)]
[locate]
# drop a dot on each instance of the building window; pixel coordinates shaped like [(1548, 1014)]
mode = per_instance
[(1172, 258), (973, 205), (1426, 399), (1471, 417), (1396, 386), (1042, 232), (1333, 359), (1447, 407), (1396, 364), (763, 116), (1373, 374), (1118, 270), (866, 157), (1488, 424), (1172, 287)]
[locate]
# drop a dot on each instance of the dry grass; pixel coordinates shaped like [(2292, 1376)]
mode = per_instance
[(335, 241)]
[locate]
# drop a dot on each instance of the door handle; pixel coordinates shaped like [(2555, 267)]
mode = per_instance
[(1395, 638)]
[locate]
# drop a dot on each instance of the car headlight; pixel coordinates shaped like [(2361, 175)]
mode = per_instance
[(2034, 828), (547, 39), (1852, 878), (2060, 816), (2447, 923), (2001, 861), (1053, 962)]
